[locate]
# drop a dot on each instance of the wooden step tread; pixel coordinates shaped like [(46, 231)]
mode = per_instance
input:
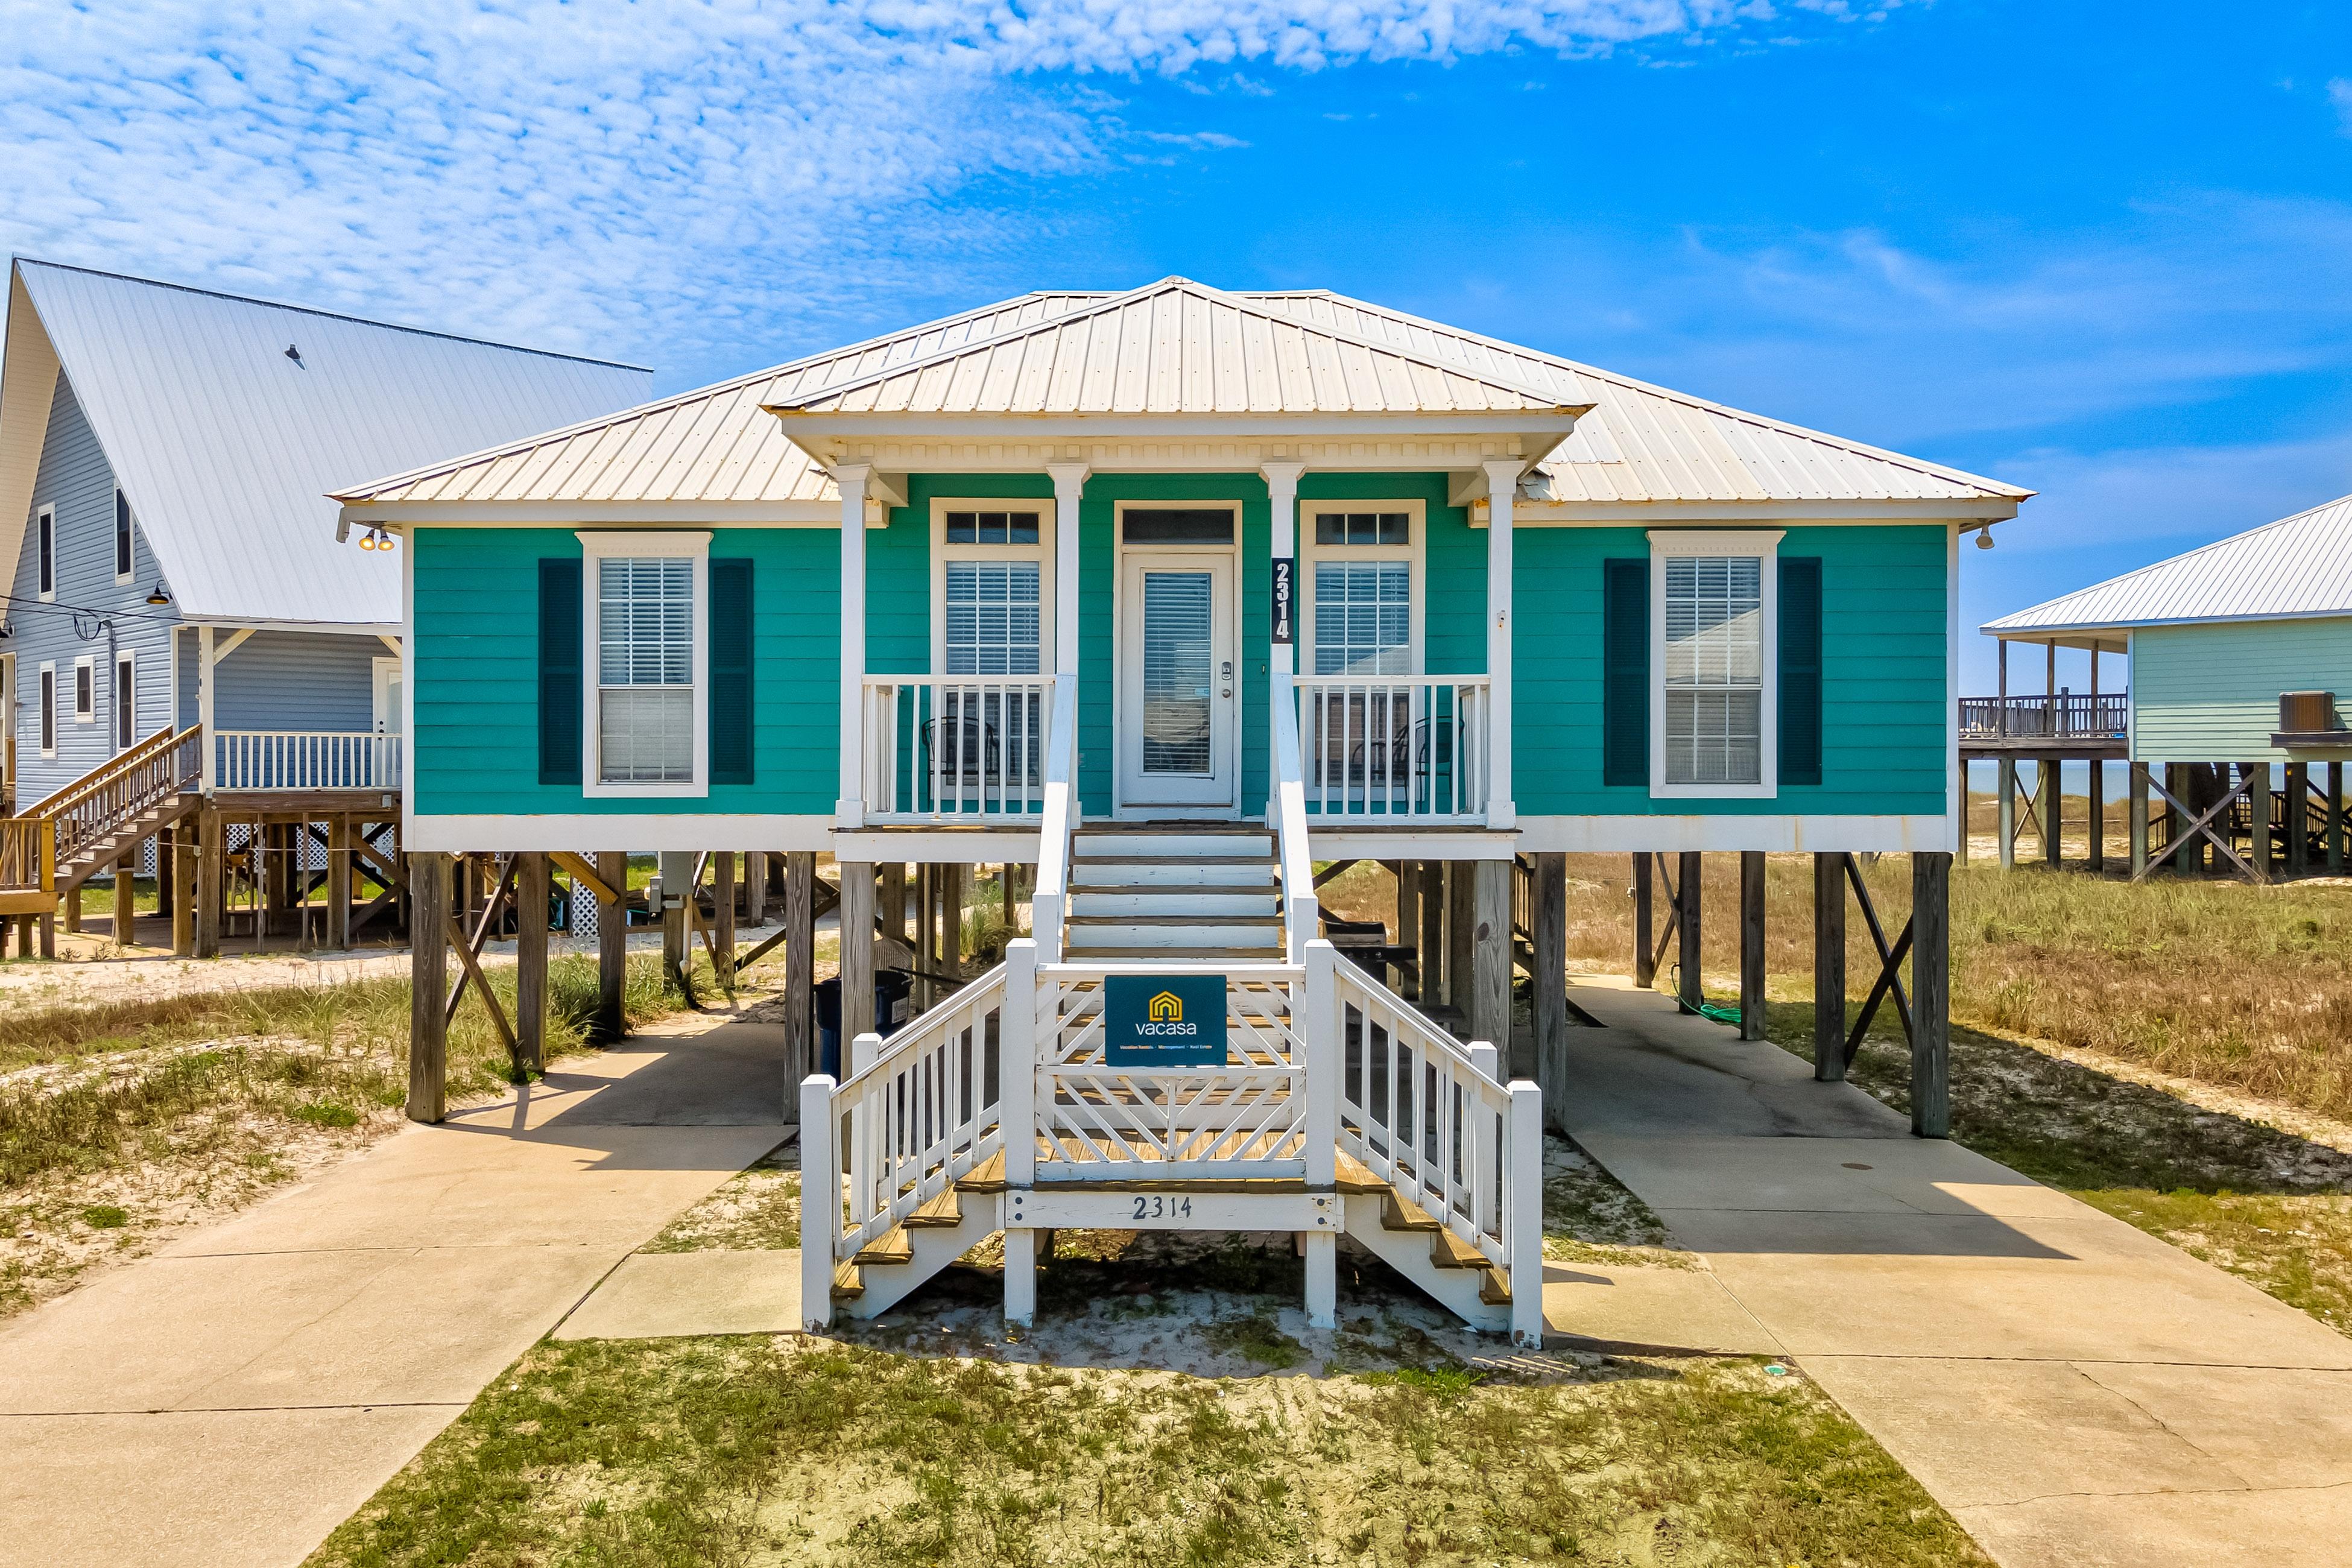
[(1448, 1250), (892, 1246), (1079, 860), (1175, 890), (1356, 1177), (848, 1283), (1401, 1213), (1493, 1288), (1270, 954), (988, 1176), (943, 1212), (1203, 917)]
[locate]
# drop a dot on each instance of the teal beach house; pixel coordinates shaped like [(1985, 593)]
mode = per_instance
[(1170, 597)]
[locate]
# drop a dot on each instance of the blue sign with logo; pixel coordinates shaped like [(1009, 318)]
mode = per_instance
[(1164, 1020)]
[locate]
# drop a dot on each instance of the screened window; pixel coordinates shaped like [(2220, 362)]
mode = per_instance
[(992, 528), (1714, 669), (48, 710), (126, 703), (992, 617), (1363, 528), (46, 548), (1177, 525), (644, 671), (121, 536), (1363, 617)]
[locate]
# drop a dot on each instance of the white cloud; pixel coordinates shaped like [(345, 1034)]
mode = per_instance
[(683, 183), (2339, 93)]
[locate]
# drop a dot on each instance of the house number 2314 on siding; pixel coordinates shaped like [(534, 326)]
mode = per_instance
[(1159, 1205)]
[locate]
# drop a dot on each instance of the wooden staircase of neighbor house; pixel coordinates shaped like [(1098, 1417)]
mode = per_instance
[(1184, 891), (97, 819)]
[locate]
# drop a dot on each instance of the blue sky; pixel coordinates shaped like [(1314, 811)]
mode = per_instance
[(2098, 250)]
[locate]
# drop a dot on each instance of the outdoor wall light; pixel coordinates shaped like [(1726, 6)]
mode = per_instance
[(158, 594)]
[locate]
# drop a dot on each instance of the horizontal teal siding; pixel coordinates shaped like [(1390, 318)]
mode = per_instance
[(2209, 694), (1883, 720), (477, 698)]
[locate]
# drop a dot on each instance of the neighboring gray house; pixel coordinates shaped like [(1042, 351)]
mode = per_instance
[(164, 458)]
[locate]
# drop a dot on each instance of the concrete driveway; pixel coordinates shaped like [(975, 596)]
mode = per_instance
[(234, 1397), (2075, 1391)]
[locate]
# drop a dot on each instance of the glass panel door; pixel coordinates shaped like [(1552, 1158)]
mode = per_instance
[(1177, 670), (1176, 687)]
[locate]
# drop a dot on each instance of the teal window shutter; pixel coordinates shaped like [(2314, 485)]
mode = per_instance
[(731, 671), (1801, 669), (559, 695), (1625, 673)]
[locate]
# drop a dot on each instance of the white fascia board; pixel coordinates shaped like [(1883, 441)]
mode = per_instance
[(1528, 513), (1667, 835), (1409, 844), (642, 832), (2125, 628), (574, 513), (324, 628), (806, 428), (959, 846)]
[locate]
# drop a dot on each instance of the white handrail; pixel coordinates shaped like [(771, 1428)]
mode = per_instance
[(305, 760), (917, 1117), (1048, 901), (1433, 1119), (965, 746), (1299, 916), (1395, 747)]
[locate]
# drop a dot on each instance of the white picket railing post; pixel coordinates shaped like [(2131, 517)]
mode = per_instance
[(1487, 1059), (1523, 1174), (1061, 813), (1314, 1007), (1016, 1062), (1300, 920), (863, 1050), (820, 1201)]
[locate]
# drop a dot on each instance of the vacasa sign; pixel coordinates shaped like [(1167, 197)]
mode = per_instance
[(1164, 1020)]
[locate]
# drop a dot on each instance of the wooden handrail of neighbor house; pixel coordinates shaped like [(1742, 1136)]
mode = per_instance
[(163, 765)]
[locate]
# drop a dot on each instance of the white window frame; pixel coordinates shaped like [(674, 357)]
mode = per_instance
[(679, 545), (1042, 552), (124, 538), (1763, 545), (1414, 551), (45, 553), (85, 677), (45, 684), (125, 701)]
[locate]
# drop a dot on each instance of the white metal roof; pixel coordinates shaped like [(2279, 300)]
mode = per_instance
[(225, 445), (1638, 443), (2297, 567), (1646, 444), (1181, 347)]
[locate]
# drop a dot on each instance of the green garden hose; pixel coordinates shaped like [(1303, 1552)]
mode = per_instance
[(1715, 1011)]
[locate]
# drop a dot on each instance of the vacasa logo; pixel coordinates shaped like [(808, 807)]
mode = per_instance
[(1166, 1018)]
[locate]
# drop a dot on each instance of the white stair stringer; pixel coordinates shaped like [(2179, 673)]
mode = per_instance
[(933, 1248), (1407, 1252)]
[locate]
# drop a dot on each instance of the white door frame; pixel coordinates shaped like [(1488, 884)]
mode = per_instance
[(386, 673), (1225, 724)]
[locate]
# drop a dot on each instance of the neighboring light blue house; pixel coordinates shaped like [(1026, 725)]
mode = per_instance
[(167, 543)]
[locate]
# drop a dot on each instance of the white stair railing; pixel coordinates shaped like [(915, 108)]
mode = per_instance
[(1433, 1119), (306, 760), (1300, 917), (914, 1116), (1385, 748), (1049, 901), (955, 746)]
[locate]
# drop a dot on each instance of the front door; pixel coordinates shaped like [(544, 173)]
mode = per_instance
[(1176, 685), (388, 696)]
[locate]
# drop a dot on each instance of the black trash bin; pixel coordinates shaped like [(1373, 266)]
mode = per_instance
[(891, 1010)]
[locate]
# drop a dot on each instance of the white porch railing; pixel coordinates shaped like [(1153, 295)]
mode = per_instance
[(1250, 1118), (970, 747), (1433, 1119), (910, 1120), (1049, 900), (305, 760), (1402, 748), (1297, 866)]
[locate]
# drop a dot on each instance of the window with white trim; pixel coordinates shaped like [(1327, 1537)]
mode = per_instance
[(44, 530), (49, 719), (1714, 604), (1360, 603), (85, 690), (126, 700), (644, 671), (994, 582)]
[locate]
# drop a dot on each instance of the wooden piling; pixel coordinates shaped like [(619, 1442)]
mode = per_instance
[(428, 983), (1829, 967), (2336, 820), (2297, 818), (1548, 985), (2098, 849), (1432, 932), (755, 887), (126, 900), (1931, 995), (212, 867), (857, 952), (1461, 937), (183, 882), (2139, 820), (1645, 924), (1490, 956), (2046, 785), (722, 928), (533, 888), (952, 881), (1686, 899), (2007, 808), (612, 1019), (1752, 944), (1408, 913), (2258, 796), (800, 970), (339, 882)]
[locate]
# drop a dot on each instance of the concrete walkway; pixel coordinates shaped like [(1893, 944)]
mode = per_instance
[(2075, 1391), (232, 1399)]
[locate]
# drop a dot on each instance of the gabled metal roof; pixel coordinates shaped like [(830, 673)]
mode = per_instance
[(225, 444), (1644, 443), (1181, 347), (2297, 567), (1638, 444)]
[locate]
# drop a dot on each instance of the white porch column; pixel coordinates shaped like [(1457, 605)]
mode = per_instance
[(204, 706), (1069, 486), (1282, 490), (849, 810), (1502, 486)]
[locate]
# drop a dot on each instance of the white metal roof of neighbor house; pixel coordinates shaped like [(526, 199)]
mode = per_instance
[(2296, 568), (1180, 347), (1639, 443), (225, 444)]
